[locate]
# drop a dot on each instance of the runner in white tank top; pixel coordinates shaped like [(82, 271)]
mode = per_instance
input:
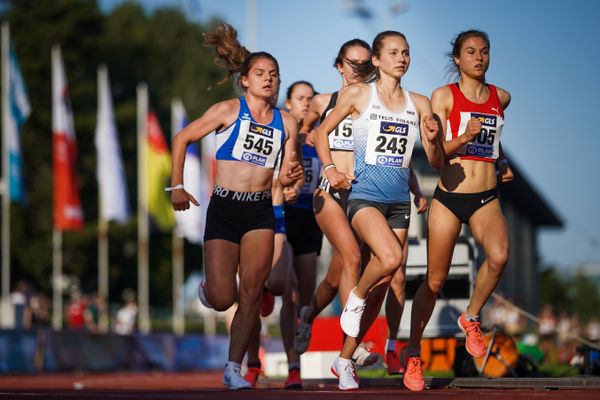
[(373, 223)]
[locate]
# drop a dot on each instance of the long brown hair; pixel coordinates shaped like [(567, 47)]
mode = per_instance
[(366, 71), (231, 54), (457, 44)]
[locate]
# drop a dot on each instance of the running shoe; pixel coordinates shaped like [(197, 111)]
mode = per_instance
[(352, 314), (363, 357), (232, 378), (474, 341), (268, 303), (346, 373), (252, 375), (202, 295), (302, 338), (293, 380), (413, 376), (392, 363)]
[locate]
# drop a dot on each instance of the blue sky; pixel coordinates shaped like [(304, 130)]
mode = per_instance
[(545, 54)]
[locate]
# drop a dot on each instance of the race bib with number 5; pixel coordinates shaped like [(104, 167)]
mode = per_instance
[(487, 143), (257, 144)]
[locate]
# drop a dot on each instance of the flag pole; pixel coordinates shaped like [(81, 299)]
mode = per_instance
[(103, 275), (142, 189), (177, 251), (6, 320), (57, 311)]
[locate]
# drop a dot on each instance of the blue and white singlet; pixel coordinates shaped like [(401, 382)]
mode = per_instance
[(383, 145), (248, 141)]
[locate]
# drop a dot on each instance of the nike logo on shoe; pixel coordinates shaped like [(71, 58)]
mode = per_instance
[(483, 201)]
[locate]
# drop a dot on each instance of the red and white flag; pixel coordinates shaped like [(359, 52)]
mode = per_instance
[(68, 214)]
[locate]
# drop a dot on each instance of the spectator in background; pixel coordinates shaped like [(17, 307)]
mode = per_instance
[(18, 299), (513, 324), (95, 310), (546, 330), (39, 304), (76, 310), (547, 321), (592, 330), (127, 314)]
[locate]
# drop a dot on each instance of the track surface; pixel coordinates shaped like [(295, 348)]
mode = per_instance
[(200, 386)]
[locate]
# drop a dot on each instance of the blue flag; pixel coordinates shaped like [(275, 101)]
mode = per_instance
[(19, 110)]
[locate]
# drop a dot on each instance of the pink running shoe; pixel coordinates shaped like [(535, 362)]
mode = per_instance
[(413, 376), (252, 376), (474, 342)]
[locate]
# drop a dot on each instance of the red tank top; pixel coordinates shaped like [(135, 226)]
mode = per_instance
[(485, 146)]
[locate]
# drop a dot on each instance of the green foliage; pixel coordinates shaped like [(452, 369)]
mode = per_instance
[(575, 295), (162, 49)]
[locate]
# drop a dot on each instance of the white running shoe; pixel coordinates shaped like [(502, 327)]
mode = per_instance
[(202, 295), (346, 373), (233, 379), (352, 314), (363, 357), (302, 338)]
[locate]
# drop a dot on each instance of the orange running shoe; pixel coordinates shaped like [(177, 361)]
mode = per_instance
[(413, 376), (252, 375), (293, 380), (268, 303), (474, 342), (392, 361)]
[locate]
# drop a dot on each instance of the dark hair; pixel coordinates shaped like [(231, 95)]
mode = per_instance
[(367, 71), (291, 88), (231, 54), (457, 44), (339, 60)]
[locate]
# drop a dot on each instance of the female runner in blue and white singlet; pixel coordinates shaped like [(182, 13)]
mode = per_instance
[(386, 121), (252, 135)]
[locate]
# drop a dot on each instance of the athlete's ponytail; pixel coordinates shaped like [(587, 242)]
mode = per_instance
[(231, 54)]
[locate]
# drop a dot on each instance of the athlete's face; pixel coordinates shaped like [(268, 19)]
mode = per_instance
[(474, 58), (299, 100), (394, 56), (262, 79), (356, 54)]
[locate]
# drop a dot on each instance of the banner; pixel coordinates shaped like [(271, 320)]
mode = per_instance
[(19, 110), (158, 168), (68, 214), (190, 223), (112, 186)]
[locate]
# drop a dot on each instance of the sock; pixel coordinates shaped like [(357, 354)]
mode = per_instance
[(344, 360), (413, 352), (255, 364), (390, 345), (294, 365), (471, 318), (233, 364), (356, 298)]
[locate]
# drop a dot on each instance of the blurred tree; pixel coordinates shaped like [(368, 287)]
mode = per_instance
[(576, 294), (164, 50)]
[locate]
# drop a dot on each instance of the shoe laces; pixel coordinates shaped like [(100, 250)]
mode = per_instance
[(349, 370), (356, 309), (473, 329), (413, 365)]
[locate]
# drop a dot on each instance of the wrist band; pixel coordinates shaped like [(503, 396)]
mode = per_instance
[(328, 166), (502, 162), (170, 189)]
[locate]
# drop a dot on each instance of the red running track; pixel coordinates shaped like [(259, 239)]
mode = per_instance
[(200, 386)]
